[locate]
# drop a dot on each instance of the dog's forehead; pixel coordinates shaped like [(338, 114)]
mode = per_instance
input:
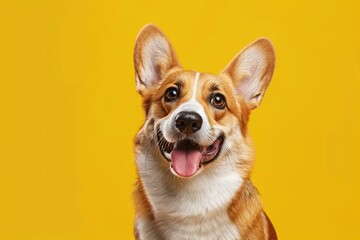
[(193, 82), (206, 80), (190, 77)]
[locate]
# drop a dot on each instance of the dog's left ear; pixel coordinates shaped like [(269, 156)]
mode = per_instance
[(251, 71), (153, 58)]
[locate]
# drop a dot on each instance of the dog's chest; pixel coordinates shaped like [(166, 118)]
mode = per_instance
[(213, 226), (195, 209)]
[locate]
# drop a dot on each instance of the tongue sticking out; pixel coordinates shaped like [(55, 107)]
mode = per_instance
[(186, 160)]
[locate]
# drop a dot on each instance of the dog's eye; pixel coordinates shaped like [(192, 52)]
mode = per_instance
[(171, 94), (218, 101)]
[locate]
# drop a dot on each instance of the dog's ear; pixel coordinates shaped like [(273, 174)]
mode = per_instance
[(153, 58), (251, 71)]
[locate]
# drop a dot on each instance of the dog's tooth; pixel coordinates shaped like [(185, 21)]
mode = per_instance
[(203, 149)]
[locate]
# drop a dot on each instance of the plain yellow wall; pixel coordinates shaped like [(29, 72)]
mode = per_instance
[(69, 110)]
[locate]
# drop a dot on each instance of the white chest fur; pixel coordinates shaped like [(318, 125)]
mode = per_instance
[(215, 225), (194, 208)]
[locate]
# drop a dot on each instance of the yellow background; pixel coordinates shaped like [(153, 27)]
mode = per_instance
[(69, 110)]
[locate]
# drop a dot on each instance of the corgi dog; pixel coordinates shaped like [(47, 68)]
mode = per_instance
[(193, 153)]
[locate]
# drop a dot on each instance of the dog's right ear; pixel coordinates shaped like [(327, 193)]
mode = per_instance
[(153, 58)]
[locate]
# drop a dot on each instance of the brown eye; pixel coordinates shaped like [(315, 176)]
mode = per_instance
[(218, 101), (171, 94)]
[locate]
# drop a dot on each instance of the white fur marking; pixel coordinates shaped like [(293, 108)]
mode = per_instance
[(195, 85)]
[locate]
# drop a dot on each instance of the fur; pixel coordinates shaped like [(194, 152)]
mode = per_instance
[(219, 201)]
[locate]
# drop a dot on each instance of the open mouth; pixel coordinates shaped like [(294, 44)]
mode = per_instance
[(186, 156)]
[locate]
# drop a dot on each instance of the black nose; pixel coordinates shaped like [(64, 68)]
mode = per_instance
[(188, 122)]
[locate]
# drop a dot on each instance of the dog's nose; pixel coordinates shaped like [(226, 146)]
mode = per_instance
[(188, 122)]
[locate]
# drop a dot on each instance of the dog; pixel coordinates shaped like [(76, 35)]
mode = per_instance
[(193, 153)]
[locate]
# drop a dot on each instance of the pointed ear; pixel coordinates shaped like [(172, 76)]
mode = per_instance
[(251, 71), (153, 57)]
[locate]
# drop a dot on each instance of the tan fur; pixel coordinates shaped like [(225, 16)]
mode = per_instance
[(245, 209), (141, 202), (246, 212)]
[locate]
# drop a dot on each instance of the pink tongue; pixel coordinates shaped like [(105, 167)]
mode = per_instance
[(186, 162)]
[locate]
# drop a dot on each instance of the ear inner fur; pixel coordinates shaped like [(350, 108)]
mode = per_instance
[(154, 56), (251, 71)]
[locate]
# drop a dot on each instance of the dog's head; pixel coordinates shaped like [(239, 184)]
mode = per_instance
[(193, 119)]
